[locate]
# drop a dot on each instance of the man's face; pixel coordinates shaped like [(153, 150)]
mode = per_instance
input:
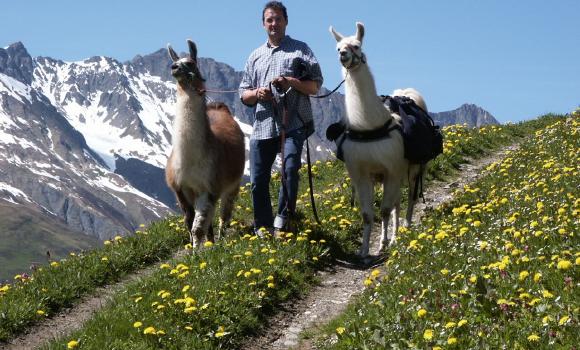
[(275, 24)]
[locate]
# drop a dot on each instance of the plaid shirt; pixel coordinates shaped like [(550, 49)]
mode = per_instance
[(292, 58)]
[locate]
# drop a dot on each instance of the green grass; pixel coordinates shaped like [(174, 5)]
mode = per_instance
[(60, 284), (238, 311), (497, 267)]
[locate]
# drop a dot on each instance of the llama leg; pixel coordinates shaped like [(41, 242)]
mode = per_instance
[(414, 175), (390, 204), (204, 211), (187, 208), (364, 189), (227, 207)]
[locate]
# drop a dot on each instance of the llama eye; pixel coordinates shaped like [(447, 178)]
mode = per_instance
[(356, 47)]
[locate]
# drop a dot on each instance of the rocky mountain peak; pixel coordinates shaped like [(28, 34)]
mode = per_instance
[(16, 62)]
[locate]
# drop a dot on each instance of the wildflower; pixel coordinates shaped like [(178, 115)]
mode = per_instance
[(54, 264), (107, 242), (202, 265), (220, 332), (185, 288), (40, 312), (149, 330), (563, 320), (118, 238), (461, 323), (444, 272), (547, 294), (368, 282), (537, 277), (138, 299), (533, 337), (104, 258), (564, 264), (482, 245), (137, 324), (428, 334), (451, 340), (164, 266), (271, 285), (208, 244), (72, 344), (340, 330), (271, 261), (421, 312), (450, 325), (523, 275)]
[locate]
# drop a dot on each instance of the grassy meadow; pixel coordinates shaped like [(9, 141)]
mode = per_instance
[(225, 291)]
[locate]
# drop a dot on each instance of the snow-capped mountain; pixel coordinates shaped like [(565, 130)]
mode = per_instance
[(46, 164)]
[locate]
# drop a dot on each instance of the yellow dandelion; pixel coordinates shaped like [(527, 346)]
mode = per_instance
[(461, 323), (137, 324), (451, 340), (340, 330), (428, 334), (533, 337), (563, 320), (149, 330), (421, 312), (202, 265), (72, 344), (564, 264), (208, 244)]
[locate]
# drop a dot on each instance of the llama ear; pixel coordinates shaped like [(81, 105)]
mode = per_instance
[(172, 54), (336, 34), (192, 49), (360, 31)]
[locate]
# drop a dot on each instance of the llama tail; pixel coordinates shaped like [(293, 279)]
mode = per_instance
[(413, 94)]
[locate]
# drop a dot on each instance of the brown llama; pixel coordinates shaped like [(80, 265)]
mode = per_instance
[(208, 154)]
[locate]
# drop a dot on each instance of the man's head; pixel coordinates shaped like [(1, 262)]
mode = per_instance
[(275, 20)]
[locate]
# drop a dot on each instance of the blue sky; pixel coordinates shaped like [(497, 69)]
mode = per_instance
[(516, 59)]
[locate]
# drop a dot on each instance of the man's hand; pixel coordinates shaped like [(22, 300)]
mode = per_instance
[(282, 84), (264, 94)]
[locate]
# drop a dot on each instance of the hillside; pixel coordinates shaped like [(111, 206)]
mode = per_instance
[(222, 294), (26, 237)]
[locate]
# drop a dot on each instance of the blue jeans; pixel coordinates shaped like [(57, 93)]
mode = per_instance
[(262, 156)]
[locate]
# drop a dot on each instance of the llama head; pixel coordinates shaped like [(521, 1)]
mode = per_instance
[(185, 69), (350, 47)]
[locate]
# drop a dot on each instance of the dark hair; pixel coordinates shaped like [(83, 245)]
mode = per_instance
[(276, 5)]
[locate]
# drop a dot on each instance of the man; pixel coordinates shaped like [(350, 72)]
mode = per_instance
[(282, 65)]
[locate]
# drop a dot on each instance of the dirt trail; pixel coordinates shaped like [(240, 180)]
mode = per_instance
[(338, 285)]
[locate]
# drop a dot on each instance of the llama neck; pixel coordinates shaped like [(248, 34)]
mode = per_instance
[(364, 109), (191, 125)]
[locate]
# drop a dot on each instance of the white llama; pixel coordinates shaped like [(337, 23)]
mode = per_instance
[(207, 159), (381, 159)]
